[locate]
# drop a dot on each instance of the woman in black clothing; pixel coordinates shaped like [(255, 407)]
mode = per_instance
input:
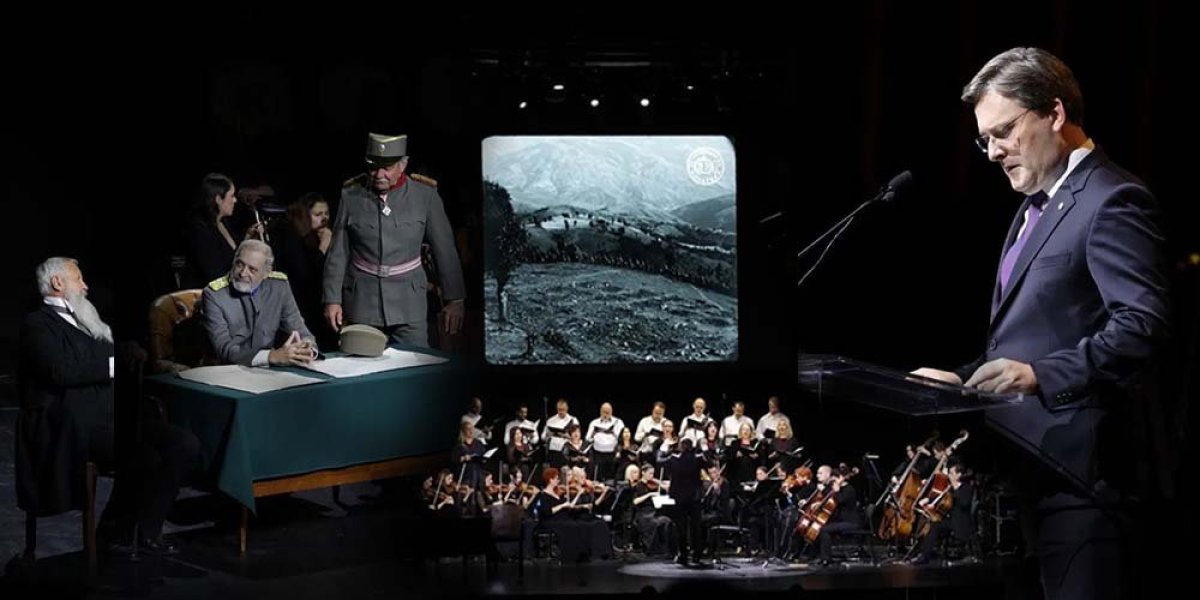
[(782, 449), (300, 245), (550, 502), (520, 492), (711, 445), (654, 529), (577, 540), (669, 442), (446, 503), (467, 456), (744, 456), (518, 454), (426, 499), (482, 499), (575, 452), (210, 241), (627, 452)]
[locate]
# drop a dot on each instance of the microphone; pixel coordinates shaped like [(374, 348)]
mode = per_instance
[(896, 185), (887, 193)]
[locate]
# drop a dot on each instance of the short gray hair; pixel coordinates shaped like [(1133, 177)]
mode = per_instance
[(257, 246), (1033, 78), (46, 271)]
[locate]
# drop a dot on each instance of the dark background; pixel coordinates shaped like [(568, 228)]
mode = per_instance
[(105, 143)]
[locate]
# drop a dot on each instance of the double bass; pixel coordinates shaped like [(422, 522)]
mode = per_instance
[(901, 498), (820, 508)]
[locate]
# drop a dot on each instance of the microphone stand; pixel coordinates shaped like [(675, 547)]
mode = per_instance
[(885, 193)]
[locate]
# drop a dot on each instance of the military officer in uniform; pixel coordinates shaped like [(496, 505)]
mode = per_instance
[(250, 315), (374, 259)]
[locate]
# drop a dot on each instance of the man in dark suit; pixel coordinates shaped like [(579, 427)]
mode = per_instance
[(66, 370), (684, 469), (1079, 312), (960, 521), (846, 515)]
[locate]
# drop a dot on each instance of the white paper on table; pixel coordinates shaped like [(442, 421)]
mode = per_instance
[(254, 380), (355, 366)]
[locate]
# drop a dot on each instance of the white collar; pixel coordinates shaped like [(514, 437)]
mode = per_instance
[(58, 301), (1077, 155)]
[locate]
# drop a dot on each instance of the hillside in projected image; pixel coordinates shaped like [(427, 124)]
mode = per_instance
[(613, 249)]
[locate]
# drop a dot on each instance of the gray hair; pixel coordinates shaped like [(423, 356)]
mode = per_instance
[(47, 270), (1033, 78), (257, 246)]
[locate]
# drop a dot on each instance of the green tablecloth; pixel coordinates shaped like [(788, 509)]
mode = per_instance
[(339, 423)]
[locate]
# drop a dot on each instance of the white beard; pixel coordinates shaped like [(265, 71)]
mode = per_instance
[(88, 318), (243, 287)]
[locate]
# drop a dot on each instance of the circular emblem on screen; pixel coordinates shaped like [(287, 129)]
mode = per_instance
[(705, 166)]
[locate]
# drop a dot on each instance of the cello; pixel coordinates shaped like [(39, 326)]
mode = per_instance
[(818, 512), (935, 500), (901, 497)]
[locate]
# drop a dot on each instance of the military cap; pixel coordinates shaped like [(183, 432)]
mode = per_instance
[(384, 150), (362, 340)]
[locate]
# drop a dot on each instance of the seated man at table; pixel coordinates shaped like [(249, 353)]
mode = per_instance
[(250, 315)]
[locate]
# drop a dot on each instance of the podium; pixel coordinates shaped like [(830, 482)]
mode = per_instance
[(843, 379), (1042, 434)]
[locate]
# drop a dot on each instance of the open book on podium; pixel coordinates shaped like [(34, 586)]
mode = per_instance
[(844, 379)]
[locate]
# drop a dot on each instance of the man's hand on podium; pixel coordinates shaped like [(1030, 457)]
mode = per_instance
[(1003, 376)]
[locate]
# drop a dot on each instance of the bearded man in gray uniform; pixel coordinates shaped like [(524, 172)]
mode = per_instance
[(374, 259), (250, 315)]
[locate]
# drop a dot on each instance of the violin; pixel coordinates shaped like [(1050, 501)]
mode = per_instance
[(801, 477), (445, 495), (788, 483), (465, 490), (523, 489)]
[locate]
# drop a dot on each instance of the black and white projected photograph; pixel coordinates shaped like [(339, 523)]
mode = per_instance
[(610, 249)]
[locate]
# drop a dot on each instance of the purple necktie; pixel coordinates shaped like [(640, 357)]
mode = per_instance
[(1010, 258)]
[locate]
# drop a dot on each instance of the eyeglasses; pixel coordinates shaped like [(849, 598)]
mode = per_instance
[(1001, 134)]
